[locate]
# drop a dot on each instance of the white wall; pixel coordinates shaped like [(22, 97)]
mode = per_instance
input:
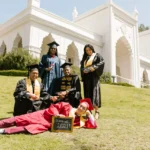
[(144, 40), (10, 36)]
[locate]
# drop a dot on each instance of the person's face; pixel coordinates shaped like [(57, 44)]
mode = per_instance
[(88, 51), (67, 71), (33, 75), (82, 108), (53, 51)]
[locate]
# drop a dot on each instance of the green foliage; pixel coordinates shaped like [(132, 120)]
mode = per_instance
[(142, 28), (105, 78), (13, 73), (17, 59)]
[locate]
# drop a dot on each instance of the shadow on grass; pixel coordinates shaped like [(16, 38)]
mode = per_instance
[(4, 118), (10, 112)]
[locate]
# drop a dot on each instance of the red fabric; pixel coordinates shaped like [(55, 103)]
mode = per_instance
[(87, 100), (7, 122), (15, 130), (89, 125), (76, 121), (40, 121)]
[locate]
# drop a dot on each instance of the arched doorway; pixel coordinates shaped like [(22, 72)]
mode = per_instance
[(3, 49), (17, 42), (72, 55), (45, 47), (123, 61), (145, 77)]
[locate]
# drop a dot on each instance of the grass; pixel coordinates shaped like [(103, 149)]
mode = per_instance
[(124, 123)]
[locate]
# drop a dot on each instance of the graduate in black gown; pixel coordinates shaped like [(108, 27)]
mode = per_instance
[(92, 65), (68, 87), (50, 67), (30, 95)]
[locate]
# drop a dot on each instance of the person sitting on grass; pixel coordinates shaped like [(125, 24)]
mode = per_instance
[(68, 87), (41, 121), (30, 95)]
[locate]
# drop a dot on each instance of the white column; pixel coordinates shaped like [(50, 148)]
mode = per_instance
[(112, 48), (136, 52)]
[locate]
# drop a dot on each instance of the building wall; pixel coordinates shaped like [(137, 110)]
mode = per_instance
[(39, 32), (9, 38), (144, 40)]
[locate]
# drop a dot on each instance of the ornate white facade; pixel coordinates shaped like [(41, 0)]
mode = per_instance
[(112, 31), (144, 40)]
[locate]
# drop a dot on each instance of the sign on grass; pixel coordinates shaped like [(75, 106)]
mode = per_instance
[(62, 124)]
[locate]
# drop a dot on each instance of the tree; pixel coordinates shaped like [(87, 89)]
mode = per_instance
[(17, 59), (142, 28)]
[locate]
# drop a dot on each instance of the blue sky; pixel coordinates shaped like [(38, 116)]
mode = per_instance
[(64, 8)]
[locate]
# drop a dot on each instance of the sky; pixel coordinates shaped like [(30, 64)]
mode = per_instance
[(64, 8)]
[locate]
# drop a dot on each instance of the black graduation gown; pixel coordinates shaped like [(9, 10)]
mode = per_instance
[(72, 84), (91, 80), (24, 105)]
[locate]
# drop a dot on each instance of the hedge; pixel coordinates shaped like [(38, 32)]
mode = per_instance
[(13, 73)]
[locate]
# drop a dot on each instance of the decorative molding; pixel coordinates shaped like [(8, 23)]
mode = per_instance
[(124, 29)]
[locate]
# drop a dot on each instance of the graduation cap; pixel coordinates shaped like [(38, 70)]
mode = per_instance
[(53, 44), (88, 102), (33, 67), (66, 65)]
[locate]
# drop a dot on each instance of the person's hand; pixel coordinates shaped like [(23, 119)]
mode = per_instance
[(54, 98), (61, 97), (92, 69), (84, 71), (63, 93), (48, 69), (33, 96), (88, 113), (60, 115)]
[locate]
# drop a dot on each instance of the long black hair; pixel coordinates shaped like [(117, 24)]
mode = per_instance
[(85, 54)]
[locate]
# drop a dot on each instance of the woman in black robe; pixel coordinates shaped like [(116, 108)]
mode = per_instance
[(92, 65)]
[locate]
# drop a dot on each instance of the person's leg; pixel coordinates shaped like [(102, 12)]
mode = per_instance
[(14, 130), (96, 112), (7, 122)]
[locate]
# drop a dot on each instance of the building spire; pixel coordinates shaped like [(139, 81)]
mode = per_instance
[(74, 13), (110, 1), (135, 12), (35, 3)]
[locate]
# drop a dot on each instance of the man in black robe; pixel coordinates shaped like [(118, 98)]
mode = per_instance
[(68, 87), (30, 95)]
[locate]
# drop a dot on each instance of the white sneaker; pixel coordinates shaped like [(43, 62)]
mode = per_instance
[(2, 131)]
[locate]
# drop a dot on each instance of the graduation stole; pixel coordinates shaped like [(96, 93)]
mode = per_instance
[(37, 87), (89, 62), (82, 120)]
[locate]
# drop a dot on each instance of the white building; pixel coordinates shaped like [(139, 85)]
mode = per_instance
[(144, 39), (112, 31)]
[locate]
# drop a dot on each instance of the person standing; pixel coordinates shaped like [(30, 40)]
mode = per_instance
[(92, 65), (50, 67)]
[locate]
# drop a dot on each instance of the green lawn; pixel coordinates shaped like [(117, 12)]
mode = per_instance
[(124, 123)]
